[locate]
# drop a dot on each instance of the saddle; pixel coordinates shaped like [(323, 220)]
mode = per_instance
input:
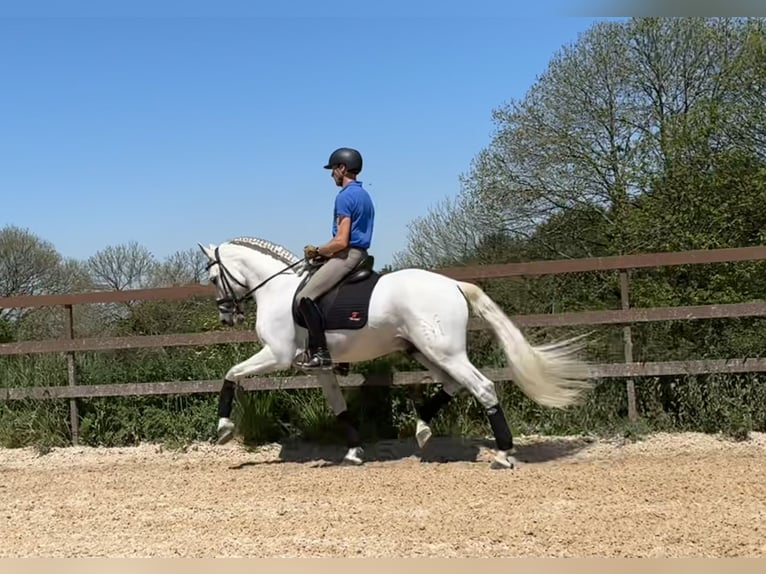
[(346, 305)]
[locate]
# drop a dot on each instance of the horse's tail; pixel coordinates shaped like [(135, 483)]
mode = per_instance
[(550, 374)]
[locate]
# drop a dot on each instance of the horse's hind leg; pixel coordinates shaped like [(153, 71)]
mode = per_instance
[(427, 410), (462, 371)]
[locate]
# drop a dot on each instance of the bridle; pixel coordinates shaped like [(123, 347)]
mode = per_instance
[(230, 303)]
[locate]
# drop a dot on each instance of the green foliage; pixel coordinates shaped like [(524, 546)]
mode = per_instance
[(311, 416), (121, 421), (40, 424), (7, 332), (257, 416)]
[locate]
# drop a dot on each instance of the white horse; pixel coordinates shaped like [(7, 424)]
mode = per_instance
[(413, 310)]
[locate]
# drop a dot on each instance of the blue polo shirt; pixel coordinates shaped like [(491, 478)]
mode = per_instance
[(353, 201)]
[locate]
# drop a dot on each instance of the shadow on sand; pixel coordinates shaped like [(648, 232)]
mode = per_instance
[(438, 450)]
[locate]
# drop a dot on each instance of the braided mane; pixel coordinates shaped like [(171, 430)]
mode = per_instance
[(278, 252)]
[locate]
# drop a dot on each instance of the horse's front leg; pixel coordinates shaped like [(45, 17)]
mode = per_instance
[(262, 362), (334, 397)]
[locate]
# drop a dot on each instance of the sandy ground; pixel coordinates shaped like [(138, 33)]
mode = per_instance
[(679, 495)]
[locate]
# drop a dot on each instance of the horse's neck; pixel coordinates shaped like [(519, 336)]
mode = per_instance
[(260, 268), (279, 289)]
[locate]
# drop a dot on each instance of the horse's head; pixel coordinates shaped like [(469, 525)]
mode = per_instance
[(240, 267), (231, 287)]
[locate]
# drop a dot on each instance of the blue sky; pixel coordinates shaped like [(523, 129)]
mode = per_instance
[(169, 127)]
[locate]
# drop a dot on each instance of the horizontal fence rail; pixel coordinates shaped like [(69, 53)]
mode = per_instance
[(272, 383), (579, 318), (626, 316), (613, 263), (91, 297), (468, 273)]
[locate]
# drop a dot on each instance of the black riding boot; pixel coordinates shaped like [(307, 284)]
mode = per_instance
[(319, 356)]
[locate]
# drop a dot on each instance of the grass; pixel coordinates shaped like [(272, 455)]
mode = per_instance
[(732, 405)]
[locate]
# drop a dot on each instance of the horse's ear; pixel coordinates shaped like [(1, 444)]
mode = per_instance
[(209, 250)]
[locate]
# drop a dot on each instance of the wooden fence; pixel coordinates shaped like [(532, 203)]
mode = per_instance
[(624, 316)]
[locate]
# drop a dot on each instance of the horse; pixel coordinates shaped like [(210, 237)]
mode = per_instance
[(370, 314)]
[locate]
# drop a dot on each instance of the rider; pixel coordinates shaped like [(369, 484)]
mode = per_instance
[(353, 220)]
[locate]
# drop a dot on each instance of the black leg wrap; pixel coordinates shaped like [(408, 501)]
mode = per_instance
[(502, 432), (432, 405), (226, 398), (352, 435)]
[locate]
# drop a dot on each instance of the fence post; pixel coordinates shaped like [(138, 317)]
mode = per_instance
[(628, 343), (72, 377)]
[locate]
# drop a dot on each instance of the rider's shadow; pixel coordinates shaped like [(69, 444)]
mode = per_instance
[(439, 449)]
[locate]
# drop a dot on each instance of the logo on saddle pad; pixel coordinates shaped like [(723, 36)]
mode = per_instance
[(345, 306)]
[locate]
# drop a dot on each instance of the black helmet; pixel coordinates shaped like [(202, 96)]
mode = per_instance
[(351, 158)]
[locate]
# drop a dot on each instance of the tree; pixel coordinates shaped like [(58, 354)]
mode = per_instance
[(180, 268), (445, 236), (611, 114), (124, 266), (29, 265), (161, 317)]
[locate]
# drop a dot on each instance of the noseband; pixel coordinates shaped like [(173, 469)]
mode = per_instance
[(230, 302)]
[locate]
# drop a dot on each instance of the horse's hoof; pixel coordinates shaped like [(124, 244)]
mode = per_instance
[(225, 431), (422, 433), (503, 461), (354, 456)]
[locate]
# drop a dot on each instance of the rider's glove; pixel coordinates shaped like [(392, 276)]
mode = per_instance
[(310, 251)]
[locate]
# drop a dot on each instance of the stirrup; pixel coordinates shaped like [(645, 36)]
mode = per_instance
[(318, 360)]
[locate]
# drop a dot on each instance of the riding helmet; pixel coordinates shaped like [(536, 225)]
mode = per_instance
[(351, 158)]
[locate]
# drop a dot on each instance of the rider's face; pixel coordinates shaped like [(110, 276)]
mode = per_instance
[(337, 174)]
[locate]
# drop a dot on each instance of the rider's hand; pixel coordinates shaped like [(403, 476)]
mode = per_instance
[(310, 251)]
